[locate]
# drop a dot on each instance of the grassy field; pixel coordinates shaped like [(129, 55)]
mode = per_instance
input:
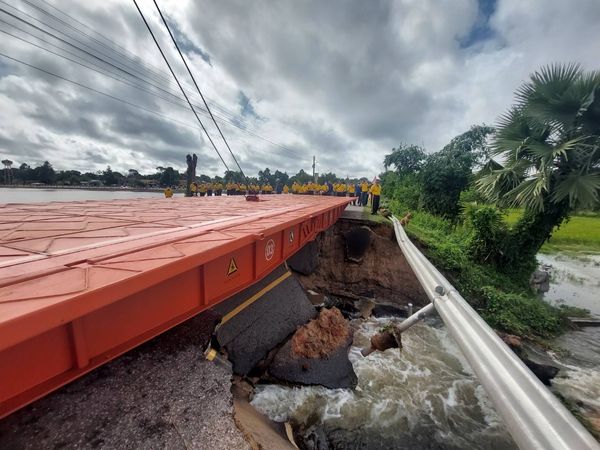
[(580, 234)]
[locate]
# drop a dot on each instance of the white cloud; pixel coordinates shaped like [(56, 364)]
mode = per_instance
[(343, 80)]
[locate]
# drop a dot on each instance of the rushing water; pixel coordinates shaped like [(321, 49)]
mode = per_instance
[(35, 195), (423, 397), (575, 281), (426, 396)]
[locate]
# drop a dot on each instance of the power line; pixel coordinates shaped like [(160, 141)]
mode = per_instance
[(111, 66), (154, 70), (178, 83), (150, 66), (197, 88), (97, 91), (112, 97), (230, 121), (96, 68)]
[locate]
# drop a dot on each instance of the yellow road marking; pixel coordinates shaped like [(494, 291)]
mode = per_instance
[(255, 297)]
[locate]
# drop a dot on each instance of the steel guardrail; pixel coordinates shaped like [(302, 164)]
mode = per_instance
[(535, 418)]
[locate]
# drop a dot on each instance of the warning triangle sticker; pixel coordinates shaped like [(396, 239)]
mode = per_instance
[(232, 267)]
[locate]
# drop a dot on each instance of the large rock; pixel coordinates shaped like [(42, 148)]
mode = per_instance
[(252, 333), (306, 260), (540, 280), (317, 354)]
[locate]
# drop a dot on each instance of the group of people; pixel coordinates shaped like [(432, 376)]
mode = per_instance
[(362, 191), (217, 189)]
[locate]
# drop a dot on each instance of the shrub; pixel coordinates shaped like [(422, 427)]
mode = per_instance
[(490, 234), (520, 314)]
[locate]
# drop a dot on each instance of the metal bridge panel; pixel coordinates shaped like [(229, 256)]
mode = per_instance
[(83, 282)]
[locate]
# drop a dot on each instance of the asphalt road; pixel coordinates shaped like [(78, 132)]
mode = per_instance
[(162, 394)]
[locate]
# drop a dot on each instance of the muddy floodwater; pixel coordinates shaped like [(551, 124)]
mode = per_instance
[(39, 195), (424, 397), (575, 281)]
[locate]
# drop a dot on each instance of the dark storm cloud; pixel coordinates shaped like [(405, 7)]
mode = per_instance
[(343, 80), (22, 148)]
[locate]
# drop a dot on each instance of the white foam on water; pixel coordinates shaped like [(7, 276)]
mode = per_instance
[(427, 387), (580, 384)]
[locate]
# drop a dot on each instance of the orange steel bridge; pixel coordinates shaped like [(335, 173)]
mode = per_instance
[(83, 282)]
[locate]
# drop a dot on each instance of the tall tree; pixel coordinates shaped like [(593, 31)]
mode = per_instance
[(8, 175), (301, 177), (549, 145), (169, 177), (406, 159), (232, 176), (449, 172), (44, 173), (108, 177)]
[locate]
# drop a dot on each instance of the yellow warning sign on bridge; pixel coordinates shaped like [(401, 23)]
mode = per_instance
[(232, 267)]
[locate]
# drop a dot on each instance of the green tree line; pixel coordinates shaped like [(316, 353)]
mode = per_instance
[(164, 176), (543, 157)]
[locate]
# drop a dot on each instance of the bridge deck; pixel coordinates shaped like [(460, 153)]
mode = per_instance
[(83, 282)]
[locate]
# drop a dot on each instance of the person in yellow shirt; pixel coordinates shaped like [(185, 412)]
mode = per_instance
[(376, 193), (218, 188), (168, 192), (286, 189), (194, 189), (202, 189), (364, 190), (350, 189)]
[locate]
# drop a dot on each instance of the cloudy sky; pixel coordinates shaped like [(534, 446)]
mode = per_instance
[(342, 80)]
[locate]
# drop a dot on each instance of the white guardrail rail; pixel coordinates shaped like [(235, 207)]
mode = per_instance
[(535, 418)]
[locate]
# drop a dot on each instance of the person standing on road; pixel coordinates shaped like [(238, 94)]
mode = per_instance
[(364, 191), (376, 193), (357, 194)]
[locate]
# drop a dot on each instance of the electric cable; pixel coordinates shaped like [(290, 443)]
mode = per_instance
[(198, 88), (178, 83)]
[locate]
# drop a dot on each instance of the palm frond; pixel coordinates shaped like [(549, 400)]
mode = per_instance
[(497, 183), (581, 189), (530, 193), (548, 153), (554, 95)]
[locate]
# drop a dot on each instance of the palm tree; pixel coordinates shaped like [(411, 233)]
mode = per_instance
[(549, 147)]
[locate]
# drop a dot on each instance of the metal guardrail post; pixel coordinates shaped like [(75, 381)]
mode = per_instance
[(535, 418)]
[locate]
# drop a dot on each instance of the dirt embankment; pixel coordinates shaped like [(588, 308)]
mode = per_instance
[(321, 336), (382, 273)]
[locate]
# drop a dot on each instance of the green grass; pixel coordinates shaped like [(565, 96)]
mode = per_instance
[(580, 234), (377, 218), (504, 301)]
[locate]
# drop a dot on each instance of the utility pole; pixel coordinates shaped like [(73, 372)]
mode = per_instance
[(313, 166)]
